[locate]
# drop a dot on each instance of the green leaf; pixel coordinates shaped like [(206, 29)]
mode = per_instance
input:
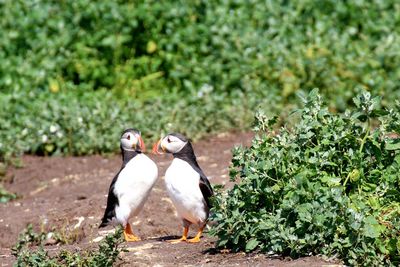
[(354, 175), (372, 228), (222, 242), (379, 113), (251, 244), (49, 147), (393, 144)]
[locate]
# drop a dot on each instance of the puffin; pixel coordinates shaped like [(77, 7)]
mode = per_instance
[(131, 186), (186, 184)]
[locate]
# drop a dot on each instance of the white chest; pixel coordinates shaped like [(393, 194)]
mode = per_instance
[(138, 171), (181, 178), (135, 182), (182, 183)]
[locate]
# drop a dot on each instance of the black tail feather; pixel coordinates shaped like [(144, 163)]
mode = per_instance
[(112, 202), (103, 224)]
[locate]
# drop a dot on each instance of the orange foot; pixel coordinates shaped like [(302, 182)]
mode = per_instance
[(128, 234), (196, 239), (182, 239)]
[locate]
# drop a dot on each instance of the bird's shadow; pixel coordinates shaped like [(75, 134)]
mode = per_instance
[(166, 238), (208, 251), (211, 251)]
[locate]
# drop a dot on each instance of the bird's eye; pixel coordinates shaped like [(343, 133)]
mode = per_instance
[(169, 140), (129, 137)]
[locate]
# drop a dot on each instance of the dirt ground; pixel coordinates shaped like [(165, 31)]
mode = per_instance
[(68, 194)]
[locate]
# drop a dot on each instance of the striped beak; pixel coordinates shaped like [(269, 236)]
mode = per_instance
[(140, 144), (158, 148)]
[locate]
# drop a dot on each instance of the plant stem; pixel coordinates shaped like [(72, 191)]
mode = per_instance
[(70, 141), (345, 181), (365, 136)]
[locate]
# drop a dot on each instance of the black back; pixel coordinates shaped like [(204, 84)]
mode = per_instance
[(187, 154), (112, 200)]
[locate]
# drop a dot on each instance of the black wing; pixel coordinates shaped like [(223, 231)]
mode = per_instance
[(187, 154), (112, 201), (206, 189)]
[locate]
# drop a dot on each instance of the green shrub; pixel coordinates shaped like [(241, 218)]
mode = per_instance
[(328, 185), (91, 122), (148, 46), (197, 65), (106, 254)]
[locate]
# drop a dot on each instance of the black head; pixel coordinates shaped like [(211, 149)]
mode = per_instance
[(172, 143), (177, 145), (131, 140)]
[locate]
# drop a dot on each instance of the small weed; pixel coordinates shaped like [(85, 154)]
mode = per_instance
[(66, 234), (5, 195), (3, 170), (28, 237), (105, 255)]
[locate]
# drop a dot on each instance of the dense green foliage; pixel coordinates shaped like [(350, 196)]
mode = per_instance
[(186, 45), (328, 185), (190, 66), (70, 123), (106, 254)]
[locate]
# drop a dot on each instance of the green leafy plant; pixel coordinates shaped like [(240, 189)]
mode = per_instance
[(5, 195), (91, 122), (327, 185), (106, 254), (28, 237), (193, 66)]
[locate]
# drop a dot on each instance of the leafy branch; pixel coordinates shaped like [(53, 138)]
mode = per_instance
[(327, 185)]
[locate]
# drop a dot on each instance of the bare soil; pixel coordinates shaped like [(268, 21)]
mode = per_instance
[(68, 195)]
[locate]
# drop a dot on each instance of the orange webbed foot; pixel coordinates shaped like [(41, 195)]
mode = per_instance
[(182, 239), (131, 238), (196, 239), (128, 234)]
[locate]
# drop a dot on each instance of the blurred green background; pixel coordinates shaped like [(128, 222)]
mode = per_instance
[(74, 74)]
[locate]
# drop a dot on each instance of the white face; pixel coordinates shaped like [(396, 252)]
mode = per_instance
[(172, 144), (130, 141)]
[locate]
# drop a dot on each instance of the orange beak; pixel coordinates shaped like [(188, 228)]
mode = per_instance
[(155, 147), (141, 143)]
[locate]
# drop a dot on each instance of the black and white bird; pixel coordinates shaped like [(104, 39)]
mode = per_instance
[(187, 185), (131, 186)]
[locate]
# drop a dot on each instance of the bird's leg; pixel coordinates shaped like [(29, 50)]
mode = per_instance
[(183, 238), (128, 234), (196, 239)]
